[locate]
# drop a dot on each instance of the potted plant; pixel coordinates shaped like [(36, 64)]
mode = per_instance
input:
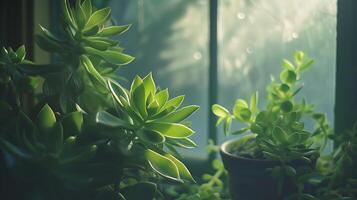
[(70, 130), (269, 161)]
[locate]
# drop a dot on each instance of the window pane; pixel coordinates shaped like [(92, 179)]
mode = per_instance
[(255, 35), (169, 38)]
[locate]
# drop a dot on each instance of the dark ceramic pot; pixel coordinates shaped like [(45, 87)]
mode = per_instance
[(249, 178)]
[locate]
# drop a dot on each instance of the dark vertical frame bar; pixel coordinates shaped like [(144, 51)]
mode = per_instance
[(213, 67), (17, 24), (346, 66)]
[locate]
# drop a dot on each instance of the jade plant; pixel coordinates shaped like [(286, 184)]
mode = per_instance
[(276, 132), (70, 130)]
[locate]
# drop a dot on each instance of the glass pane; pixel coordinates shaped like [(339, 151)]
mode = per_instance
[(169, 38), (255, 35)]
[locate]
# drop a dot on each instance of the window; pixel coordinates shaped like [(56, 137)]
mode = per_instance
[(171, 39)]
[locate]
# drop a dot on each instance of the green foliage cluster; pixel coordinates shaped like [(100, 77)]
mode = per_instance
[(70, 130), (278, 133)]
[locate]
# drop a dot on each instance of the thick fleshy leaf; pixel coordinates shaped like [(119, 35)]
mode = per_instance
[(46, 119), (21, 53), (117, 90), (98, 18), (162, 97), (113, 30), (139, 100), (110, 120), (254, 102), (67, 13), (149, 85), (220, 111), (174, 102), (96, 78), (286, 106), (172, 130), (179, 115), (150, 136), (288, 76), (239, 105), (113, 57), (97, 44), (183, 171), (80, 16), (279, 135), (87, 8), (186, 143), (73, 123), (162, 165)]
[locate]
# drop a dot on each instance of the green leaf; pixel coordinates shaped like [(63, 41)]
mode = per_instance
[(113, 30), (96, 78), (179, 115), (48, 44), (239, 105), (256, 128), (110, 120), (174, 102), (80, 15), (183, 171), (186, 143), (139, 190), (220, 111), (87, 8), (139, 100), (279, 135), (99, 17), (46, 119), (245, 114), (150, 136), (67, 13), (55, 138), (298, 57), (288, 65), (149, 85), (227, 125), (305, 66), (162, 165), (254, 102), (117, 90), (288, 76), (111, 56), (97, 44), (240, 131), (286, 106), (73, 123), (21, 53), (162, 97), (172, 130)]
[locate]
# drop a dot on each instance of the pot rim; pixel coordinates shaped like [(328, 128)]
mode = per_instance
[(224, 151)]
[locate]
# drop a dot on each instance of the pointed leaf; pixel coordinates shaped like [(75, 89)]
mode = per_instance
[(172, 130), (46, 119), (73, 123), (151, 136), (110, 120), (220, 111), (186, 143), (179, 115), (98, 18), (183, 171), (149, 85), (113, 30), (113, 57), (162, 165)]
